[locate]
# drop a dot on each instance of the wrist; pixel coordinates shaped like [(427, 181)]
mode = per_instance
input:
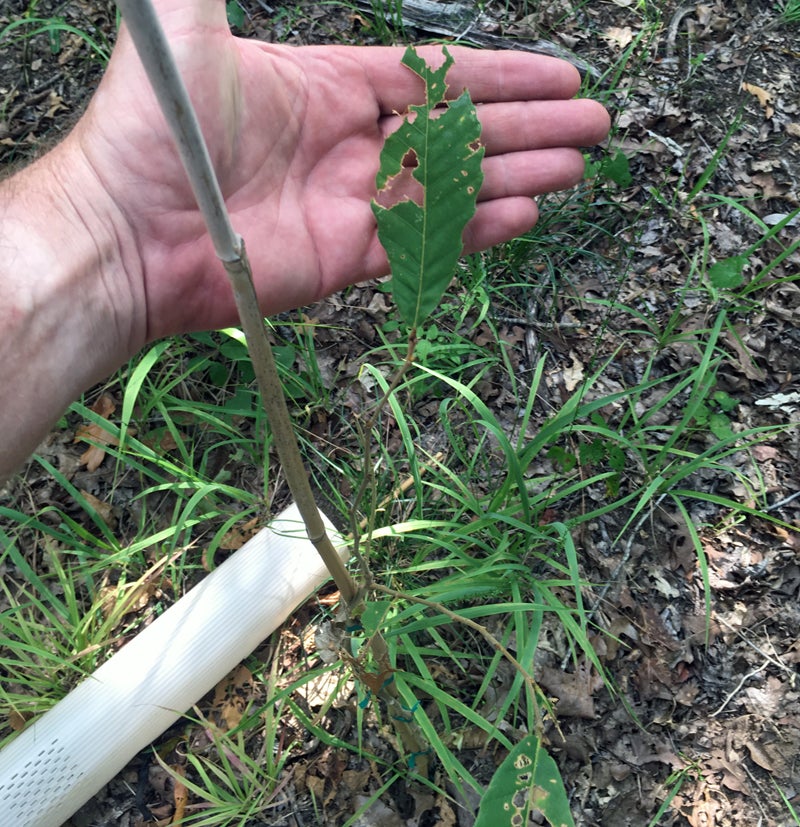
[(69, 258), (69, 297)]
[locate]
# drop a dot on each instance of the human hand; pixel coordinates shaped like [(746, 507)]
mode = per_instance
[(295, 134)]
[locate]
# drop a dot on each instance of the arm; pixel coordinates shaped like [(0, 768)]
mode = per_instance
[(102, 248), (65, 312)]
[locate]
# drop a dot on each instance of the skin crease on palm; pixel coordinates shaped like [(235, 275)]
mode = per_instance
[(294, 134)]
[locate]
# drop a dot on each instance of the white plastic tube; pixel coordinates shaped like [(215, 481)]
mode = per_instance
[(63, 758)]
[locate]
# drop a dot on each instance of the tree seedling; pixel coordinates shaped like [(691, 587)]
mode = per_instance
[(421, 229), (441, 147)]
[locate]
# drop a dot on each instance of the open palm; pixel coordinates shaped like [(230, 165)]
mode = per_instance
[(295, 134)]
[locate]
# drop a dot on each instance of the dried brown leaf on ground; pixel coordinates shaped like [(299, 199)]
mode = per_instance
[(574, 691), (763, 96), (92, 432)]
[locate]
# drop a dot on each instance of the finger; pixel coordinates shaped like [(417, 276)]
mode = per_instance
[(515, 127), (531, 173), (498, 221), (490, 76), (494, 222), (520, 126), (494, 76)]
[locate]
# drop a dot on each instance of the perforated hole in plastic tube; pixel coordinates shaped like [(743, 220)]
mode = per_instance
[(29, 792)]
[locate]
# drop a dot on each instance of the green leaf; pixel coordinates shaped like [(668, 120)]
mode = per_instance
[(217, 374), (527, 781), (592, 452), (725, 401), (561, 459), (702, 414), (423, 241), (727, 274), (235, 14), (720, 426), (617, 169), (374, 615), (616, 458), (424, 349)]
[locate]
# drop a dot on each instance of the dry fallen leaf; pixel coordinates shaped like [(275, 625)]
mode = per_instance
[(94, 454), (573, 375), (104, 406), (770, 188), (161, 440), (618, 37), (231, 696), (103, 510), (55, 103), (572, 690), (759, 757), (16, 720), (704, 813), (180, 794), (237, 536), (764, 98), (746, 362), (124, 599)]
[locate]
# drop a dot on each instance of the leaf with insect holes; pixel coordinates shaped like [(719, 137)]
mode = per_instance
[(526, 782), (423, 241)]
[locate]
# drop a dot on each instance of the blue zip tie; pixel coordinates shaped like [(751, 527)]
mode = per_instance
[(412, 759), (403, 718)]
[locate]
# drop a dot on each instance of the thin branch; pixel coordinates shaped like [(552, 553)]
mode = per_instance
[(156, 56), (173, 99)]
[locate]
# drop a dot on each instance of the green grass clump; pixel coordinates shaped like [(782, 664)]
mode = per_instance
[(54, 28), (790, 13)]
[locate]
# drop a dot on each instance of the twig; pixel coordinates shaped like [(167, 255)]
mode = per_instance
[(672, 31), (735, 692), (783, 502), (159, 64), (773, 659)]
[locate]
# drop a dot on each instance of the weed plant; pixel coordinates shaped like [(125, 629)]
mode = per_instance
[(28, 26), (790, 12)]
